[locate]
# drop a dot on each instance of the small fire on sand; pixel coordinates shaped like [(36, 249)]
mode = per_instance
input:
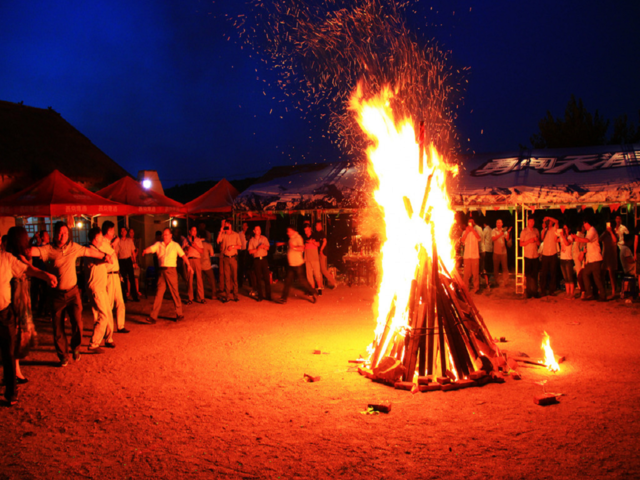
[(549, 357), (429, 333)]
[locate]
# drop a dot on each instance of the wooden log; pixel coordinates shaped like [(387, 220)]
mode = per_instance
[(403, 385), (382, 407), (443, 380), (311, 378), (421, 147), (383, 338), (365, 372), (431, 387), (477, 375), (424, 380), (545, 399)]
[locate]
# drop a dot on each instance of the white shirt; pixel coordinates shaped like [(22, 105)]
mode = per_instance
[(487, 242), (550, 243), (566, 251), (621, 232), (255, 243), (10, 267), (499, 246), (295, 257), (471, 246), (593, 247), (167, 254), (625, 254), (108, 249)]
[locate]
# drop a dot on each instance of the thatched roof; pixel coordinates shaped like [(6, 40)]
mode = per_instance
[(35, 141)]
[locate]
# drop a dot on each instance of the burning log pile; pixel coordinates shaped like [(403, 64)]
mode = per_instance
[(430, 336), (447, 343)]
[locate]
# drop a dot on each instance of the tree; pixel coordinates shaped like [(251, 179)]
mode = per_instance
[(578, 128), (624, 132)]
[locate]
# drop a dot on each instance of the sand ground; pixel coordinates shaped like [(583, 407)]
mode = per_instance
[(221, 395)]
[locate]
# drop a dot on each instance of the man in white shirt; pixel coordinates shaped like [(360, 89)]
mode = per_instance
[(258, 248), (192, 246), (500, 238), (126, 249), (206, 266), (487, 248), (295, 257), (229, 245), (530, 241), (593, 261), (620, 231), (114, 286), (471, 240), (243, 255), (549, 258), (168, 252)]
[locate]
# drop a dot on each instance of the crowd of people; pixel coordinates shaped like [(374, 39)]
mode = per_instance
[(110, 277), (584, 258)]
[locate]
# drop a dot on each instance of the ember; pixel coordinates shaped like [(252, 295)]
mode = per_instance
[(427, 322)]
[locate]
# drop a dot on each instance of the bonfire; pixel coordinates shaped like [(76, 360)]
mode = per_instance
[(429, 334)]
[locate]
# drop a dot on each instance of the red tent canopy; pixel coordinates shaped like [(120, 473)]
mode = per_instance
[(56, 196), (130, 192), (218, 198)]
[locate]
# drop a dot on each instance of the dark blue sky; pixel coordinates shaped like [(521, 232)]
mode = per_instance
[(167, 85)]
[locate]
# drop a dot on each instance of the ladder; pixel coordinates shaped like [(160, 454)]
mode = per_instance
[(522, 215)]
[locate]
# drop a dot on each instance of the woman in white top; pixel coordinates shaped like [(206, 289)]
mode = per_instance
[(566, 261)]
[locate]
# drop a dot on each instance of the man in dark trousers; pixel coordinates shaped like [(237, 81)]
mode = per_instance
[(60, 260), (259, 249), (296, 267)]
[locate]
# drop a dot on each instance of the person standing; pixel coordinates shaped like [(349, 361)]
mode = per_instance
[(60, 260), (549, 260), (168, 252), (620, 231), (136, 262), (205, 265), (471, 241), (312, 259), (114, 285), (566, 261), (243, 255), (13, 268), (500, 239), (229, 246), (221, 281), (192, 246), (487, 248), (126, 249), (530, 241), (321, 238), (578, 254), (101, 306), (593, 261), (610, 256), (259, 249), (295, 259)]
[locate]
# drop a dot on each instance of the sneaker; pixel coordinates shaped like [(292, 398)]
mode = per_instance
[(313, 298), (110, 344), (64, 362), (123, 330), (179, 318), (76, 355), (91, 349), (319, 291)]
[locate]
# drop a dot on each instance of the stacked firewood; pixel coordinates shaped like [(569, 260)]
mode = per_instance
[(447, 343)]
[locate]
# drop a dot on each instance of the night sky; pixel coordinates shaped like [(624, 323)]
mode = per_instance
[(169, 86)]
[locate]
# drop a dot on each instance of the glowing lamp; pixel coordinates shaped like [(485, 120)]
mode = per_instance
[(174, 223), (146, 183), (79, 225)]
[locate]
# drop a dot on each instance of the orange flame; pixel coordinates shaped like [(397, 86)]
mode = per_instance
[(549, 357), (393, 162)]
